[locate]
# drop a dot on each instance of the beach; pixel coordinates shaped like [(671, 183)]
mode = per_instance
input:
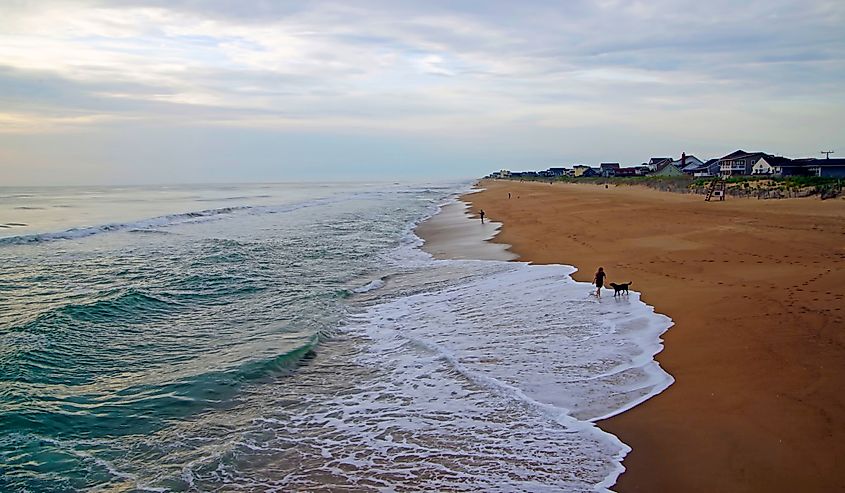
[(757, 293), (191, 338)]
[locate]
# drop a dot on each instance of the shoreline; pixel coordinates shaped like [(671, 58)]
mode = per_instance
[(454, 233), (451, 234), (756, 350)]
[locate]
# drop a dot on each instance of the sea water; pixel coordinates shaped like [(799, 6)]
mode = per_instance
[(293, 337)]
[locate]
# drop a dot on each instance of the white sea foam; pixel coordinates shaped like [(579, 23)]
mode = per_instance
[(449, 376), (534, 328), (374, 284), (463, 338), (462, 376), (161, 221), (169, 220)]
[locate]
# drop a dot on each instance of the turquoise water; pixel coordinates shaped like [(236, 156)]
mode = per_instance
[(293, 337), (125, 310)]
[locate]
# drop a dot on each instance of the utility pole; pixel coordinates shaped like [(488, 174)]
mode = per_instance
[(826, 154)]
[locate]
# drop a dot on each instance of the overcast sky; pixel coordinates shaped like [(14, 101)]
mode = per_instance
[(210, 91)]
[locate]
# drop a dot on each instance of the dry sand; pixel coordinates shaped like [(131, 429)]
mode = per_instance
[(757, 293)]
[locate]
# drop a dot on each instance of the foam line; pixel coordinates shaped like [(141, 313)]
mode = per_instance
[(534, 335)]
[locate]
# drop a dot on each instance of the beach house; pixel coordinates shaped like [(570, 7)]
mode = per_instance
[(668, 168), (608, 169), (739, 163), (655, 162), (627, 172), (774, 165), (583, 170), (829, 168), (704, 170), (687, 163), (558, 171)]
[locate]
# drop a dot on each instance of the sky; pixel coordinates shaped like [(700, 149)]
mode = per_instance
[(189, 91)]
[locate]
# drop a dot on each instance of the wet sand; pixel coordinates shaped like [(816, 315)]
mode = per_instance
[(757, 293), (451, 234)]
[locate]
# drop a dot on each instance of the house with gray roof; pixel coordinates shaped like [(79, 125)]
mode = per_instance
[(705, 170), (686, 162), (608, 169), (584, 170), (739, 163), (668, 169), (829, 168), (774, 165), (655, 162)]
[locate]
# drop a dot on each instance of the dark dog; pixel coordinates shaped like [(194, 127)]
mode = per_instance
[(620, 288)]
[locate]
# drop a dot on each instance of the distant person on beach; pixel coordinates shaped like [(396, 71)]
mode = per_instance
[(481, 213), (509, 195), (599, 281)]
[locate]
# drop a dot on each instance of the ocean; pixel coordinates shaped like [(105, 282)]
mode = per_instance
[(294, 337)]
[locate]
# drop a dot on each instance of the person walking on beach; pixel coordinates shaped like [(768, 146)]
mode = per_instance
[(599, 281), (481, 213)]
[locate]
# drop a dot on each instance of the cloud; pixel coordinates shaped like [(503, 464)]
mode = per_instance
[(465, 69)]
